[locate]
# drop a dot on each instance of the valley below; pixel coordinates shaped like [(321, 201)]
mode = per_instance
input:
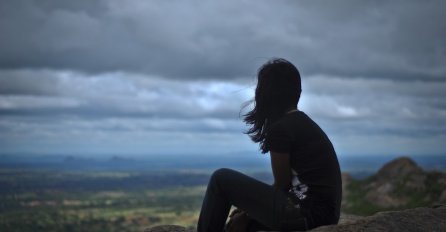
[(52, 199)]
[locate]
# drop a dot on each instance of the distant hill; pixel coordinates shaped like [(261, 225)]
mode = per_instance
[(399, 184)]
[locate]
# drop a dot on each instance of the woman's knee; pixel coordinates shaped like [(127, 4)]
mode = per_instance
[(221, 173), (222, 176)]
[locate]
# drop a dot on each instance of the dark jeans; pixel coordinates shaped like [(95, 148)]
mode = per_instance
[(271, 208)]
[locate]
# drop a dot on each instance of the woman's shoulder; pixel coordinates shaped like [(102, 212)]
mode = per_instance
[(288, 122), (294, 124), (289, 119)]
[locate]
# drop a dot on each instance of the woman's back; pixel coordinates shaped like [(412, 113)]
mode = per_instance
[(317, 177)]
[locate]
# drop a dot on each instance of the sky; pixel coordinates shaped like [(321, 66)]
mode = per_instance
[(170, 77)]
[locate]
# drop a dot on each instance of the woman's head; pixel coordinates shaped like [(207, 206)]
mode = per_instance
[(278, 91)]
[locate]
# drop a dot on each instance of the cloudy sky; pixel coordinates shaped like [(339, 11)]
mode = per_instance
[(170, 77)]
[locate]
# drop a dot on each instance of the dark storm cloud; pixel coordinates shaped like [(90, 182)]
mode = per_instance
[(226, 39)]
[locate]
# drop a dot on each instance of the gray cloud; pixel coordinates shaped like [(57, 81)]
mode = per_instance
[(158, 76), (28, 82), (105, 107), (226, 39), (59, 93)]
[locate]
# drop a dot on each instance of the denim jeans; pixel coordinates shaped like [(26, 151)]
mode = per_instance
[(270, 207)]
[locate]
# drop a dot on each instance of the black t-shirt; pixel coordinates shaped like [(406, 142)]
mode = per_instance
[(316, 174)]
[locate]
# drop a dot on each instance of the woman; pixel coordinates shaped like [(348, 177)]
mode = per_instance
[(307, 182)]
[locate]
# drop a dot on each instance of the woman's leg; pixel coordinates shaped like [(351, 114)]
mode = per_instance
[(215, 207), (261, 201)]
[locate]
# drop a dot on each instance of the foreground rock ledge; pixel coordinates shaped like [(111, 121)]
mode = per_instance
[(417, 219)]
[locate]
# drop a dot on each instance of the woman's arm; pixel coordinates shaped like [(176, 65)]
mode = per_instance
[(280, 164)]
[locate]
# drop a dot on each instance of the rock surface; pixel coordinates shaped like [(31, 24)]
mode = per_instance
[(168, 228), (417, 219)]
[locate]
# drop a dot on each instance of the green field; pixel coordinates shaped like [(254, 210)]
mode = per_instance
[(40, 200)]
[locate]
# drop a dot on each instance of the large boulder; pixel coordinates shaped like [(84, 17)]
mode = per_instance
[(417, 219)]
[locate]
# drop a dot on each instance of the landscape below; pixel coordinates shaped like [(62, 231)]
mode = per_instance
[(48, 198)]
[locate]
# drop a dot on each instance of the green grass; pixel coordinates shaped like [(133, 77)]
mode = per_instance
[(32, 203)]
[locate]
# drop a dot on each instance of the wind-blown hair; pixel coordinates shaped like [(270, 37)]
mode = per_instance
[(278, 90)]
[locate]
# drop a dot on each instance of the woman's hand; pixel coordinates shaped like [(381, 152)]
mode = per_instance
[(238, 221)]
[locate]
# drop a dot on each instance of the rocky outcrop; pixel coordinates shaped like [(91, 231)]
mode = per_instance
[(399, 167), (399, 184), (402, 173), (417, 219)]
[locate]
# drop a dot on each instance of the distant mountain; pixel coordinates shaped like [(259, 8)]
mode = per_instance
[(399, 184)]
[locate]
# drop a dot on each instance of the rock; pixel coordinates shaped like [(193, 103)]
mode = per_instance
[(442, 196), (168, 228), (402, 166), (417, 219), (348, 218), (398, 176), (382, 197)]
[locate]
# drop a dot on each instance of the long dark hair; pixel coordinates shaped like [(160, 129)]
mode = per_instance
[(278, 90)]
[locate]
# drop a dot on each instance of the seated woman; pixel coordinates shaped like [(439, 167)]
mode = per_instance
[(307, 181)]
